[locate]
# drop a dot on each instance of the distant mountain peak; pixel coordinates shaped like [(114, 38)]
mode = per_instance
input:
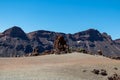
[(91, 31), (16, 31), (90, 35)]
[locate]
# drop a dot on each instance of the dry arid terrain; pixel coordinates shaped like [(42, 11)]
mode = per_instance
[(74, 66)]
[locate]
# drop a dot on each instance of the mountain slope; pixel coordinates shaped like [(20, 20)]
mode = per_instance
[(16, 32), (15, 42), (92, 40)]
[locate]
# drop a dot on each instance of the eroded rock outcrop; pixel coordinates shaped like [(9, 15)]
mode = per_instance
[(60, 45)]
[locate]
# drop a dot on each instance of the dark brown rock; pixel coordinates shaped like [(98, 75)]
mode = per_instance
[(84, 70), (115, 68), (99, 52), (60, 44), (114, 77), (103, 72), (96, 71)]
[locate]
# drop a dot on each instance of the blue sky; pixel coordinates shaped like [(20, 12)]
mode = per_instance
[(68, 16)]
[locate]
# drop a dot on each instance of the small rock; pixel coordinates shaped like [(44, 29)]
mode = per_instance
[(114, 77), (115, 68), (99, 52), (95, 71), (103, 72), (84, 70)]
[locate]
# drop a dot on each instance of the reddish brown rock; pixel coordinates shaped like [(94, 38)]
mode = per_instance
[(60, 45)]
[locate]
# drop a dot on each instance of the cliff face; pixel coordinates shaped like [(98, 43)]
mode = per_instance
[(15, 41), (92, 40)]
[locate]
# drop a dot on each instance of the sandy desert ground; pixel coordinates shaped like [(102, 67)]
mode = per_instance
[(57, 67)]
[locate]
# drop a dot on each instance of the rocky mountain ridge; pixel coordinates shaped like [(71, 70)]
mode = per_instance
[(14, 41)]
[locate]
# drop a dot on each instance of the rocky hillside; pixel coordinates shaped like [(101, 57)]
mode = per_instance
[(15, 41)]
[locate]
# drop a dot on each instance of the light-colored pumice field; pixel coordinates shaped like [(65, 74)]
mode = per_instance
[(73, 66)]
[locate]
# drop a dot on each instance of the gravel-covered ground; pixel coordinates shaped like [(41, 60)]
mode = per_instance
[(74, 66)]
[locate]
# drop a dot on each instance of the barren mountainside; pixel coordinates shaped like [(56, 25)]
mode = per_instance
[(15, 41)]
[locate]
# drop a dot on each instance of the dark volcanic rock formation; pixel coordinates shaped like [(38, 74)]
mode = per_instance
[(92, 40), (60, 45), (15, 41), (90, 35), (16, 32)]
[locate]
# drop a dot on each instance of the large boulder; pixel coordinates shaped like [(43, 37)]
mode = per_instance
[(60, 44)]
